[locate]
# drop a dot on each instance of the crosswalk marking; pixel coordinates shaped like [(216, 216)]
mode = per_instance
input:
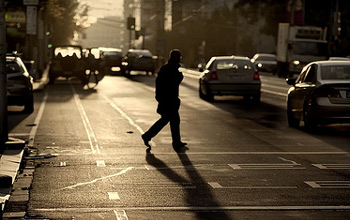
[(113, 196), (120, 214)]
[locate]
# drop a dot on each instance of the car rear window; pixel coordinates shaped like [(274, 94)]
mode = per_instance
[(234, 64), (13, 67), (335, 72), (266, 58)]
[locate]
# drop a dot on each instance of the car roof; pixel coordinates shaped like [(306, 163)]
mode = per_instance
[(231, 58), (265, 54), (332, 63)]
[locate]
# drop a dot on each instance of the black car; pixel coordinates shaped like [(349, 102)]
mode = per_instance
[(112, 58), (19, 84), (320, 95), (138, 60)]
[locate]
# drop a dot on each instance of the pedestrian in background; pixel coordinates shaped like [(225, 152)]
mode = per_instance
[(167, 95)]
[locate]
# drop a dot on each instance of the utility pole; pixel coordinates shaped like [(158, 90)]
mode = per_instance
[(3, 79)]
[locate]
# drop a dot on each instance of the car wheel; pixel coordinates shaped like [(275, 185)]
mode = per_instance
[(52, 78), (292, 122), (29, 105), (208, 97), (310, 122), (256, 98)]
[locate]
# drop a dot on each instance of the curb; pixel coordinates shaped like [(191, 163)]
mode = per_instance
[(10, 162)]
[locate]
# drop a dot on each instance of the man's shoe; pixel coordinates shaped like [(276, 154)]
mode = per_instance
[(179, 145), (145, 140)]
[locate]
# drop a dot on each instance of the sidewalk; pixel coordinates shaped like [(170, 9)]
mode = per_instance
[(10, 159)]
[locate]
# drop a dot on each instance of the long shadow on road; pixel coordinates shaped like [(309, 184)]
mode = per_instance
[(200, 200)]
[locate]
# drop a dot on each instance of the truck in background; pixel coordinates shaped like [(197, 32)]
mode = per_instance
[(298, 46)]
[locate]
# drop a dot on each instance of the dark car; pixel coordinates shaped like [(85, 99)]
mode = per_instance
[(67, 61), (320, 94), (112, 58), (230, 75), (138, 60), (265, 62), (19, 84)]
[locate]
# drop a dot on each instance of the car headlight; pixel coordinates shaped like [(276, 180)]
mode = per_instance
[(296, 62), (260, 65)]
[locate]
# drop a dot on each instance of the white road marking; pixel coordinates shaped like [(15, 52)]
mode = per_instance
[(113, 196), (120, 214), (329, 184), (89, 131), (37, 120), (122, 113), (208, 209), (332, 166), (100, 163), (274, 93), (265, 166), (286, 160), (98, 179), (215, 185)]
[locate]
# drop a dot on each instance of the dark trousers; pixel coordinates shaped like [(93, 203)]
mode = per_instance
[(174, 119)]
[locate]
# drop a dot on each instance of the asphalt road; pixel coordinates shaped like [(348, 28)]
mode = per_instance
[(242, 161)]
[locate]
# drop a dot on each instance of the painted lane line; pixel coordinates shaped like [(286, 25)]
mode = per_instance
[(113, 196), (100, 163), (99, 179), (89, 131), (274, 93), (120, 214), (332, 166), (329, 184), (37, 120), (208, 209), (265, 166), (215, 185), (123, 114)]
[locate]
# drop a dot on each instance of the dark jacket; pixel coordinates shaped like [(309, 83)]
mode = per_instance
[(167, 87)]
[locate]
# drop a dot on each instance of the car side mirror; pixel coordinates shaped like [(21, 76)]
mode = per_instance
[(291, 81)]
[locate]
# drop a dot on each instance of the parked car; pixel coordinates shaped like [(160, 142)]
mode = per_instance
[(230, 75), (138, 60), (19, 84), (265, 62), (113, 58), (320, 94), (67, 61), (339, 58)]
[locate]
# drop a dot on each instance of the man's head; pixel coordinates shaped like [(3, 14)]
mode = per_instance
[(175, 55)]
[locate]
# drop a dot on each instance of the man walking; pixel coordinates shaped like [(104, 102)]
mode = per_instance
[(167, 95)]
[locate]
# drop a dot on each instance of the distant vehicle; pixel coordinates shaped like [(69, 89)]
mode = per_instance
[(19, 84), (320, 95), (112, 57), (230, 75), (265, 62), (67, 61), (139, 60), (339, 58), (299, 45)]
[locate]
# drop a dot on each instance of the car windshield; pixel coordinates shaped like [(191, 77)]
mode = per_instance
[(335, 72), (310, 48), (13, 67), (234, 64), (67, 51), (266, 58)]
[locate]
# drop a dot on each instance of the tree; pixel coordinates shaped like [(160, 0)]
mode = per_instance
[(66, 18)]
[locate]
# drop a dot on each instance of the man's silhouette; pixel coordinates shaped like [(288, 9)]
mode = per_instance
[(167, 95)]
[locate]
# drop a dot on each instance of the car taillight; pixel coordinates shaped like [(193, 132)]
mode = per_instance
[(214, 75), (328, 92), (256, 76), (333, 93)]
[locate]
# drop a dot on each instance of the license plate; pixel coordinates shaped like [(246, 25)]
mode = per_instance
[(348, 94)]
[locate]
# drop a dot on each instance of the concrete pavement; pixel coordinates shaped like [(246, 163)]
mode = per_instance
[(10, 159)]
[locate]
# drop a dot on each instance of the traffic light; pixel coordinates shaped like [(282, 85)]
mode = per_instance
[(131, 23)]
